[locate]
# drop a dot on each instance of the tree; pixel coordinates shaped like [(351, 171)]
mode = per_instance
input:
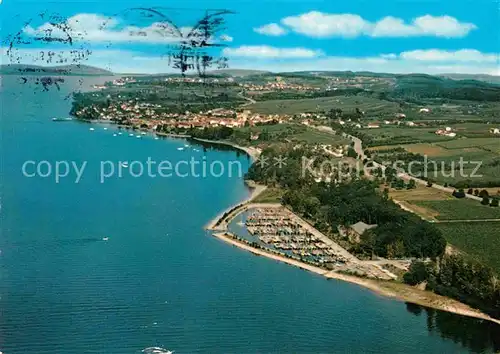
[(385, 194), (429, 184), (412, 184), (484, 193), (485, 201), (417, 273), (476, 192), (494, 202), (470, 191), (352, 153)]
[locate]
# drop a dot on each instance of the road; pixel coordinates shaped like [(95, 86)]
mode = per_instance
[(250, 100), (358, 147)]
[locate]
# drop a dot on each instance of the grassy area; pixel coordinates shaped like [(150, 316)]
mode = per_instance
[(369, 105), (459, 209), (393, 135), (270, 195), (312, 136), (471, 143), (472, 151), (479, 239), (421, 193), (485, 174)]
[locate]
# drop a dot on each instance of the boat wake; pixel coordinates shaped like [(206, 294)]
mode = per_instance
[(156, 350)]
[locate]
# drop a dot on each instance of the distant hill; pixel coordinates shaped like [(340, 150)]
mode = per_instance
[(73, 70), (479, 77), (237, 72), (418, 86)]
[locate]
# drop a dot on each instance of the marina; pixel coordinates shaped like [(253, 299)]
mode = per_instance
[(277, 229)]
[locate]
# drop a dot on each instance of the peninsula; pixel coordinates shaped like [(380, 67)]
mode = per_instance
[(359, 219)]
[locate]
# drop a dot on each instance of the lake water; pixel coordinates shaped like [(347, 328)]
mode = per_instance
[(160, 280)]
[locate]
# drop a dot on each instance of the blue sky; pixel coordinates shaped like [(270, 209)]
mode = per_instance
[(383, 36)]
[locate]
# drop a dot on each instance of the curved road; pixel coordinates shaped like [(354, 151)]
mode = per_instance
[(358, 147)]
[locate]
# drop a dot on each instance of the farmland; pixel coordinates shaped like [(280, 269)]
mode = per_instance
[(459, 209), (419, 193), (400, 135), (371, 106), (450, 160), (480, 240)]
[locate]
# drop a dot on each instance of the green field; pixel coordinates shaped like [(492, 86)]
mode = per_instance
[(447, 152), (490, 143), (460, 209), (488, 176), (479, 239), (270, 195), (403, 135), (371, 106), (311, 136)]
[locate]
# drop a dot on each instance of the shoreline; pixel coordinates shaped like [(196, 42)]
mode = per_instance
[(250, 151), (399, 291), (217, 223), (390, 289), (387, 289)]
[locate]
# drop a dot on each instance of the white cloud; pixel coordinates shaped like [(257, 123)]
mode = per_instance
[(318, 24), (263, 51), (462, 55), (434, 61), (271, 29), (444, 26), (292, 59), (99, 28)]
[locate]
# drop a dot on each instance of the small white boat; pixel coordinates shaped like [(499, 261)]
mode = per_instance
[(91, 129), (143, 133), (120, 133), (131, 134), (186, 145), (114, 134), (180, 148), (124, 164), (105, 128), (156, 138), (105, 238), (138, 136), (157, 350)]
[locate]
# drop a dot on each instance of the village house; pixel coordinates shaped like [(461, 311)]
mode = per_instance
[(354, 232), (446, 132)]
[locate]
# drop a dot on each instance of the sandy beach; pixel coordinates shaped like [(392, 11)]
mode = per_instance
[(390, 289)]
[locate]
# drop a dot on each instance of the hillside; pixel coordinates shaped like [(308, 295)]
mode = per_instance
[(479, 77), (237, 72)]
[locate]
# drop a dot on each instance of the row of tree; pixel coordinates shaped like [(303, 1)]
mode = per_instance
[(461, 278)]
